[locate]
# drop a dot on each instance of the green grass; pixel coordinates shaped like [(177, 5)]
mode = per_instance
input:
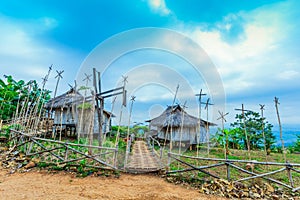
[(234, 173)]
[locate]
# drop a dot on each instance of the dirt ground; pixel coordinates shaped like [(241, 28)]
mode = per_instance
[(46, 185)]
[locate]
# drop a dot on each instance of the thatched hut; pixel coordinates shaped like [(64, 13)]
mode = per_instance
[(70, 112), (182, 126)]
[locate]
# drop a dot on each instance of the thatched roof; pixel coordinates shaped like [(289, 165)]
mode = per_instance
[(64, 100), (173, 116), (68, 99)]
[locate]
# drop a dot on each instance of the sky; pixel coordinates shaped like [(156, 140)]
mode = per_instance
[(252, 47)]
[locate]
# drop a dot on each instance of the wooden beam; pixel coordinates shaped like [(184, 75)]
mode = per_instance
[(111, 95), (112, 90)]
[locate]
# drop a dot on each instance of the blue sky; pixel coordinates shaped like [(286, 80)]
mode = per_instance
[(254, 46)]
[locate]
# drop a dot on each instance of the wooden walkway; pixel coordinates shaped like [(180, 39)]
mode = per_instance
[(142, 160)]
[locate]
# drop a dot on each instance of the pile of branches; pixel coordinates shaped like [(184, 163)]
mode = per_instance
[(236, 190), (15, 161)]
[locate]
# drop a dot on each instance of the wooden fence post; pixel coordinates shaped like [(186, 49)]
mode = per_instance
[(222, 117), (288, 169)]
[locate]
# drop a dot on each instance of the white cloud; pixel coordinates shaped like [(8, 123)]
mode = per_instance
[(49, 22), (289, 74), (22, 54), (256, 59), (159, 6)]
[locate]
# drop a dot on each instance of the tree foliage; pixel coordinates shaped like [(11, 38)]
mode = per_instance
[(296, 146), (26, 95), (254, 125), (137, 130)]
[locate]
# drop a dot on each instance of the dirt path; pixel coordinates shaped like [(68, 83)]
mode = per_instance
[(44, 185)]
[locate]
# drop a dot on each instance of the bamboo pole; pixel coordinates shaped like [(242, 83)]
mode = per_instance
[(81, 158), (59, 142), (27, 111), (128, 132), (267, 178), (42, 95), (61, 118), (245, 130), (199, 111), (119, 126), (198, 168), (171, 115), (181, 128), (207, 104), (87, 79), (263, 130), (207, 133), (226, 152), (262, 175), (99, 105), (123, 104), (15, 117), (280, 128), (110, 116), (239, 161), (169, 121), (288, 169), (91, 125), (24, 110)]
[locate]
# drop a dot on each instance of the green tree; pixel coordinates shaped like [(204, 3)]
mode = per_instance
[(253, 123), (26, 95), (139, 130), (297, 144)]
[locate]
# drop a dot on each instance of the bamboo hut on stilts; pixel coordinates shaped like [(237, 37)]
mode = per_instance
[(185, 127)]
